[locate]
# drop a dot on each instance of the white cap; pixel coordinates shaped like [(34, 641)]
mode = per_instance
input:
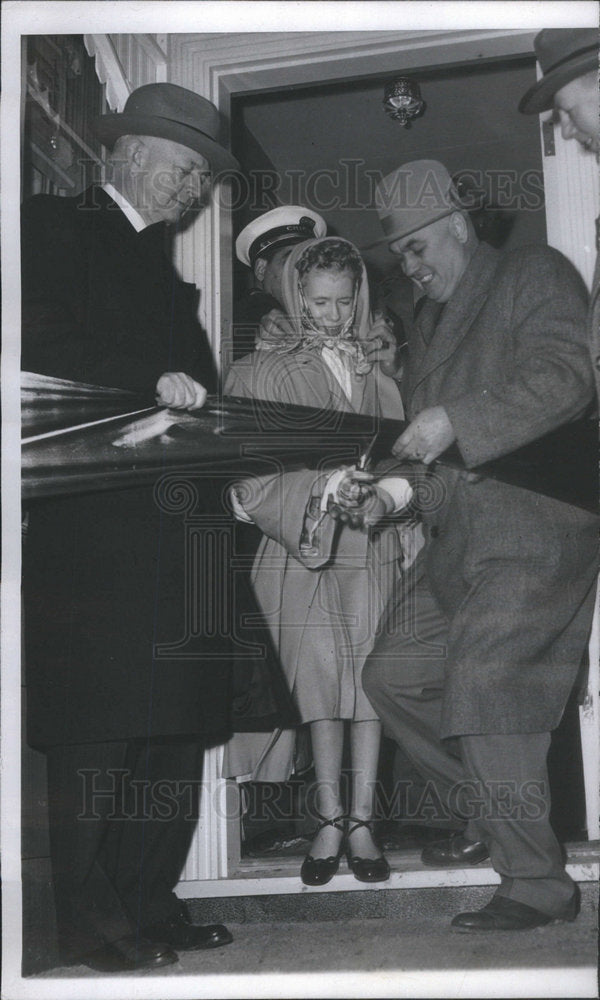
[(279, 227)]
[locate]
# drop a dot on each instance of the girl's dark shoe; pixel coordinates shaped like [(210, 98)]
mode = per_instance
[(365, 869), (320, 871)]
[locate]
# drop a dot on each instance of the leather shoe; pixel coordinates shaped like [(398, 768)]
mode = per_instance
[(504, 914), (129, 954), (454, 852), (320, 871), (366, 869), (184, 936)]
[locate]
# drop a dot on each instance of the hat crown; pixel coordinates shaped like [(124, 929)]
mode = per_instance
[(166, 100), (413, 196), (555, 46), (421, 185), (564, 54)]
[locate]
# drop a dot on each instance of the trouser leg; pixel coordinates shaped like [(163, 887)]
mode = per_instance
[(81, 796), (146, 854), (510, 775), (403, 678)]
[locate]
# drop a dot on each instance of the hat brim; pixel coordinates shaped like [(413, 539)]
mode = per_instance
[(108, 128), (401, 233), (285, 241), (539, 97)]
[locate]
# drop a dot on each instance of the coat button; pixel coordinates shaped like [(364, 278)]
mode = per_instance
[(597, 362)]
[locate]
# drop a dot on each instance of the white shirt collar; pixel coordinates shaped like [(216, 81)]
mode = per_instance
[(126, 207)]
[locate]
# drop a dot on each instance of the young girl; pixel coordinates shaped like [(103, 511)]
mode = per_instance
[(322, 587)]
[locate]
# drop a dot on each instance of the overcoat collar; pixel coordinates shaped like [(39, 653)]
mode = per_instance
[(96, 204), (432, 344)]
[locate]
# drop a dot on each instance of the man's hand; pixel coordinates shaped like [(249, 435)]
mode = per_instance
[(426, 437), (275, 330), (381, 345), (179, 391)]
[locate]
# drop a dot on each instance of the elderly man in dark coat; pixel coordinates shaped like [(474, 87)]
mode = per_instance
[(474, 672), (103, 573)]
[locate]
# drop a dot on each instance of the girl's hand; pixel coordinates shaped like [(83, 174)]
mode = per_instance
[(359, 502), (381, 346)]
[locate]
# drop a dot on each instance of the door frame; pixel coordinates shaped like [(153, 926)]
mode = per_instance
[(225, 65)]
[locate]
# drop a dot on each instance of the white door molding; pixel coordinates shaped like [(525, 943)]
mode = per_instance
[(220, 66), (572, 198)]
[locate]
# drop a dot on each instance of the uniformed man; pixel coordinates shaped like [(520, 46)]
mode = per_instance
[(263, 245)]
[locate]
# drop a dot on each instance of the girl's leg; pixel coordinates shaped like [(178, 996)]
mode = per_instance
[(327, 744), (365, 738)]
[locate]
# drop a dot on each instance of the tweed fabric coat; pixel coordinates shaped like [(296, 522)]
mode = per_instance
[(512, 570)]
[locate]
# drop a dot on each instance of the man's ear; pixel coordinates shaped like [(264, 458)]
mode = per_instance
[(458, 227), (260, 266), (135, 150)]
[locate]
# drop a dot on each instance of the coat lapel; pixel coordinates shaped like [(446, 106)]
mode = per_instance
[(457, 316), (312, 384)]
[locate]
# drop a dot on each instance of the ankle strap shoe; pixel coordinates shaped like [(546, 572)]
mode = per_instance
[(365, 869), (320, 871)]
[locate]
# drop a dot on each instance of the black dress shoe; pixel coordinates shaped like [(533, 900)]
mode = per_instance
[(454, 852), (366, 869), (503, 914), (320, 871), (129, 954), (184, 936)]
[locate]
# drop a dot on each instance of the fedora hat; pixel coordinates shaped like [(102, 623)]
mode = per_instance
[(169, 112), (412, 197), (563, 55)]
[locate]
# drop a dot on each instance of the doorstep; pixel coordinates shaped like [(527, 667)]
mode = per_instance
[(280, 875)]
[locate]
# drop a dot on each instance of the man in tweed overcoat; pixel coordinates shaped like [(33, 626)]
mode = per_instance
[(475, 672)]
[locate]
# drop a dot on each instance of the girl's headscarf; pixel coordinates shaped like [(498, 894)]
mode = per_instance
[(307, 335)]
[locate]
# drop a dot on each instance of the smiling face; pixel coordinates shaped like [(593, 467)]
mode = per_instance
[(576, 107), (166, 178), (329, 296), (436, 257)]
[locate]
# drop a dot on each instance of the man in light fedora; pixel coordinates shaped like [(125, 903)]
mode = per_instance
[(103, 576), (475, 672), (569, 60)]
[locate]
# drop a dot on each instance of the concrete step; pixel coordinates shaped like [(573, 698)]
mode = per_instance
[(438, 905), (409, 952)]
